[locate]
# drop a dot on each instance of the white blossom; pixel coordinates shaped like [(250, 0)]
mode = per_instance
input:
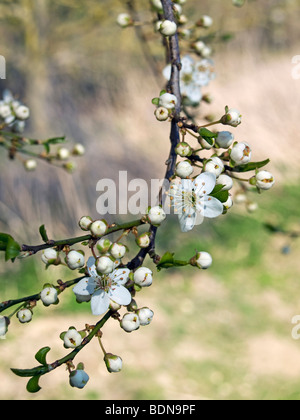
[(264, 180), (241, 153), (191, 201), (143, 277), (130, 322), (78, 378), (103, 288)]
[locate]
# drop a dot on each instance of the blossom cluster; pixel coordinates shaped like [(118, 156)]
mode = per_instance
[(13, 113)]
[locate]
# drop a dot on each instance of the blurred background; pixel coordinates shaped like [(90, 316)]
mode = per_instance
[(224, 333)]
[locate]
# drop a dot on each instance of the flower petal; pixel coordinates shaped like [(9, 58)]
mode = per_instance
[(99, 302), (91, 267), (85, 286), (120, 275), (120, 295), (204, 183), (212, 207), (187, 220)]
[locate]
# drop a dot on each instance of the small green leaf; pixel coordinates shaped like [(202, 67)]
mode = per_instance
[(43, 233), (251, 166), (33, 384), (217, 188), (12, 249), (41, 355), (155, 101), (205, 133), (221, 196)]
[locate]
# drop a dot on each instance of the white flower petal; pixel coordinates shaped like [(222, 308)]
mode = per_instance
[(212, 207), (85, 286), (120, 275), (91, 267), (99, 302), (187, 220), (205, 183), (120, 295)]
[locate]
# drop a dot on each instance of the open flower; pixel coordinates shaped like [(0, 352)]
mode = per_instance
[(103, 288), (191, 201)]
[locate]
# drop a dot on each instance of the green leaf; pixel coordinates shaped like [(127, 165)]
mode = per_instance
[(205, 133), (155, 101), (43, 233), (251, 166), (168, 261), (41, 355), (3, 241), (12, 249), (56, 140), (217, 189), (33, 384), (221, 196)]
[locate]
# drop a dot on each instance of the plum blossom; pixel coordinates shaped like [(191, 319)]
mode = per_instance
[(191, 201), (103, 288)]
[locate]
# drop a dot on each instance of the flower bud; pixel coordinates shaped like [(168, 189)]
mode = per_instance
[(78, 150), (226, 181), (145, 316), (251, 207), (203, 260), (24, 315), (224, 139), (240, 153), (22, 112), (156, 215), (214, 165), (114, 306), (143, 277), (113, 363), (264, 180), (167, 100), (63, 153), (157, 5), (124, 20), (103, 245), (49, 256), (104, 265), (98, 228), (184, 169), (78, 378), (240, 198), (231, 117), (30, 164), (130, 322), (161, 113), (70, 167), (4, 323), (228, 203), (117, 250), (71, 338), (75, 259), (85, 222), (205, 144), (183, 149), (168, 28), (49, 296), (143, 240), (205, 21)]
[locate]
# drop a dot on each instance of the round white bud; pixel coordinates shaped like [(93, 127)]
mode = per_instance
[(98, 228), (161, 113), (228, 203), (104, 265), (232, 117), (167, 100), (78, 378), (63, 153), (203, 260), (205, 21), (113, 363), (143, 277), (226, 181), (145, 316), (156, 215), (183, 149), (24, 315), (264, 180), (49, 255), (22, 112), (168, 28), (30, 164), (103, 245), (4, 322), (214, 165), (124, 20), (143, 240), (48, 296), (5, 111), (184, 169), (75, 259), (78, 150), (117, 250), (240, 153), (224, 139), (85, 222), (130, 322), (72, 338)]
